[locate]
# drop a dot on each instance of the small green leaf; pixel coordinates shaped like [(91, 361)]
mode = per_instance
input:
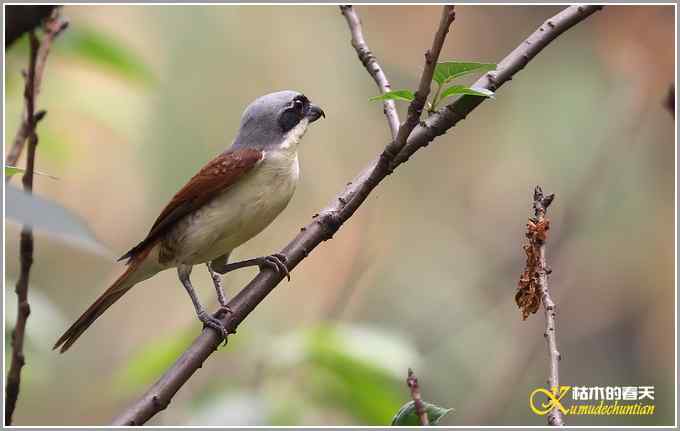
[(462, 89), (104, 50), (406, 416), (406, 95), (449, 70), (12, 170)]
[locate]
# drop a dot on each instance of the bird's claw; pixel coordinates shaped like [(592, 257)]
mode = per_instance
[(224, 309), (276, 262), (214, 323)]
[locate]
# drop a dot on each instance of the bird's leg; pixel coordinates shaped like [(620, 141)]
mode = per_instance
[(217, 282), (184, 271), (275, 262)]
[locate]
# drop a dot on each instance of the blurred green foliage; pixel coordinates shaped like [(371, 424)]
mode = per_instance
[(360, 370), (146, 365), (103, 50)]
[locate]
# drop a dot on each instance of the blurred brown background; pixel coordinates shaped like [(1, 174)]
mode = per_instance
[(423, 275)]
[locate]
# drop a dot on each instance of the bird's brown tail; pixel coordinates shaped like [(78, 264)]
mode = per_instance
[(112, 294)]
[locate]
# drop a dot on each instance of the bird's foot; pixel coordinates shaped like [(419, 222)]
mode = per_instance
[(224, 310), (214, 323), (276, 262)]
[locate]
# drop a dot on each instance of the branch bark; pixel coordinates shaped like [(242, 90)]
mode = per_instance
[(372, 66), (541, 204), (412, 382), (25, 244), (54, 25), (39, 49), (330, 219), (533, 290)]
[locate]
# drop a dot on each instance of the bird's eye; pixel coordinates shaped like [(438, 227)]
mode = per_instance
[(289, 118), (298, 105)]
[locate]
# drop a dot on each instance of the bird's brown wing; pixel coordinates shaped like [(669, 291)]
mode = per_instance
[(217, 175)]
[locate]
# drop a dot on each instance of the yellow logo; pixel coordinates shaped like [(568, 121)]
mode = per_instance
[(594, 400), (553, 400)]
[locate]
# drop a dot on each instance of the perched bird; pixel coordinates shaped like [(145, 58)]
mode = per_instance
[(229, 201)]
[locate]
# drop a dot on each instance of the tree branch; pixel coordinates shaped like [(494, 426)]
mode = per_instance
[(412, 382), (329, 219), (25, 245), (54, 25), (533, 289), (541, 204), (448, 116), (372, 66), (415, 108)]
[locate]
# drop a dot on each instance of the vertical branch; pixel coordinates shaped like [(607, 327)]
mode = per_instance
[(25, 245), (541, 204), (53, 27), (372, 66), (533, 289), (37, 56), (412, 382)]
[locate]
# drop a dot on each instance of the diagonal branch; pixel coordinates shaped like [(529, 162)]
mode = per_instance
[(53, 26), (331, 218), (372, 66)]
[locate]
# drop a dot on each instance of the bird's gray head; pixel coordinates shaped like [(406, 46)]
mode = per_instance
[(276, 120)]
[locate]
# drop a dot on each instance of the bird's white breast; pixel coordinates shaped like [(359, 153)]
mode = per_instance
[(244, 209)]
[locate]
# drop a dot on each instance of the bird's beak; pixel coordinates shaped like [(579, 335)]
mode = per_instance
[(314, 113)]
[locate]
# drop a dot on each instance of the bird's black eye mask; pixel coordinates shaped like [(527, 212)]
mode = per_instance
[(293, 113)]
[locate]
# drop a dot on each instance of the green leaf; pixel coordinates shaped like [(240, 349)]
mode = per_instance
[(449, 70), (462, 89), (103, 50), (406, 416), (12, 170), (406, 95)]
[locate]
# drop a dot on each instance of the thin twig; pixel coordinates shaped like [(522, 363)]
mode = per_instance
[(534, 290), (415, 108), (372, 66), (25, 245), (447, 116), (412, 382), (39, 50), (54, 25), (331, 218), (541, 204)]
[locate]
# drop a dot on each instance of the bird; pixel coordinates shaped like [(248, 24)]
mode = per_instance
[(230, 200)]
